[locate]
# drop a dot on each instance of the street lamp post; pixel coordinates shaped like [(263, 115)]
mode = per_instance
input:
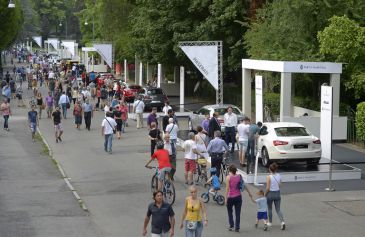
[(65, 27), (11, 4)]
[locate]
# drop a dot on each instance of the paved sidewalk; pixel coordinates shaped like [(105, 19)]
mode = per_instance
[(34, 199)]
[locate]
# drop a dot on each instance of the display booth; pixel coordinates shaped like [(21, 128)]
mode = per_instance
[(106, 57)]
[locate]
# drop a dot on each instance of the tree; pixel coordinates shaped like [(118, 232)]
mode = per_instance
[(11, 20), (344, 41)]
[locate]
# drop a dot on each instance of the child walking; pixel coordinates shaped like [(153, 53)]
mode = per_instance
[(261, 203)]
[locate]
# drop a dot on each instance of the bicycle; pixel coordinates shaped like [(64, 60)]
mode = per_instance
[(202, 175), (168, 188), (224, 169), (217, 197)]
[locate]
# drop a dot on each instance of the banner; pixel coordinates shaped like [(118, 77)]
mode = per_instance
[(259, 99), (326, 121), (70, 46), (205, 58), (38, 40), (106, 52), (53, 42)]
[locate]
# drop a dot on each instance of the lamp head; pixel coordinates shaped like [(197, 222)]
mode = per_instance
[(11, 4)]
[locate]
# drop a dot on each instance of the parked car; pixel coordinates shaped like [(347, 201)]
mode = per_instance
[(287, 141), (131, 91), (197, 117), (153, 97)]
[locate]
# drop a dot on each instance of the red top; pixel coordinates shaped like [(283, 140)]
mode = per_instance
[(162, 157)]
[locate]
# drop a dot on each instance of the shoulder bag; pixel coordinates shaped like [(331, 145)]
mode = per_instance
[(114, 130)]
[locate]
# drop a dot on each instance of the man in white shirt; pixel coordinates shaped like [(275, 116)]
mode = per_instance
[(166, 108), (107, 130), (138, 108), (190, 155), (242, 137), (172, 129), (230, 123), (51, 75), (63, 101)]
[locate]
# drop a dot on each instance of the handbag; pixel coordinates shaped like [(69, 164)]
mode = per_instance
[(192, 225), (68, 105)]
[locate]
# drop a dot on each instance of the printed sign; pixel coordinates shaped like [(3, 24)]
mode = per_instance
[(259, 99), (326, 121)]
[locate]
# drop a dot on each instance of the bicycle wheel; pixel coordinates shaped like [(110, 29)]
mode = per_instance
[(221, 174), (154, 183), (220, 199), (205, 197), (169, 192)]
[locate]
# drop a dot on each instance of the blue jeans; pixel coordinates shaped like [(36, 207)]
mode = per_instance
[(235, 202), (250, 154), (6, 121), (194, 233), (108, 142), (173, 145), (274, 197), (64, 109)]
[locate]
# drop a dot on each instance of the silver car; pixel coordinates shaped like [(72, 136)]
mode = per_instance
[(197, 117)]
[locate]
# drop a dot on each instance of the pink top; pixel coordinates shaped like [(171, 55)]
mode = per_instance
[(234, 189), (5, 108)]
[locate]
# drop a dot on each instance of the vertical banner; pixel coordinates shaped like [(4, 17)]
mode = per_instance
[(69, 46), (159, 75), (141, 74), (106, 52), (125, 70), (182, 88), (259, 99), (54, 42), (38, 40), (326, 121)]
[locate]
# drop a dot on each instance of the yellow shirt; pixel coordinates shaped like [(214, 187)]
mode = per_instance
[(193, 210)]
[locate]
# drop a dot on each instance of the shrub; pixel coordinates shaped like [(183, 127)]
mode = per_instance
[(360, 121)]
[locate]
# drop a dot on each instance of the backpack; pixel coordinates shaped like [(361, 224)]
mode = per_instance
[(241, 184)]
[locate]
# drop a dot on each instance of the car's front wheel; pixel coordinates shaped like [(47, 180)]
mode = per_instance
[(265, 159)]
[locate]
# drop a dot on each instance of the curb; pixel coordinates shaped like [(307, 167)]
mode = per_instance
[(59, 167)]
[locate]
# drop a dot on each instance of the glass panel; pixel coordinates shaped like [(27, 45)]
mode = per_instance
[(291, 132)]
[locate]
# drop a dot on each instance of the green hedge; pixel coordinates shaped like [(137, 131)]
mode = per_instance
[(360, 121)]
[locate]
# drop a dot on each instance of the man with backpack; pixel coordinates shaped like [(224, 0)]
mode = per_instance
[(103, 96)]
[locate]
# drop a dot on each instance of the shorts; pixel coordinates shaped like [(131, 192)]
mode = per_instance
[(262, 215), (190, 165), (33, 127), (243, 145), (119, 125), (58, 127), (161, 172), (78, 119)]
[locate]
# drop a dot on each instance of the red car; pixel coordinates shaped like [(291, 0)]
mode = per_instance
[(130, 92)]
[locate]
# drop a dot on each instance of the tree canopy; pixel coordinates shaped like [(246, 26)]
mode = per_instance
[(11, 20)]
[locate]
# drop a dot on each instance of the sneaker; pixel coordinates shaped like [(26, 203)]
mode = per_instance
[(56, 140), (59, 138), (282, 226), (236, 230), (265, 227), (269, 224), (256, 225), (230, 229)]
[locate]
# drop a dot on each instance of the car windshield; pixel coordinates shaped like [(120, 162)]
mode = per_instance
[(156, 91), (291, 132), (222, 111)]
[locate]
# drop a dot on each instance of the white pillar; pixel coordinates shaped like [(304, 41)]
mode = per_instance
[(125, 70), (92, 62), (285, 96), (159, 75), (335, 83), (140, 74), (136, 69), (182, 88), (246, 92)]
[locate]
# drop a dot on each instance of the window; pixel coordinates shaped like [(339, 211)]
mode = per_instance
[(203, 111), (156, 91), (291, 132), (222, 111)]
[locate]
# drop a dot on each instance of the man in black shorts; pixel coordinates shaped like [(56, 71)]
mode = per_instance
[(57, 124)]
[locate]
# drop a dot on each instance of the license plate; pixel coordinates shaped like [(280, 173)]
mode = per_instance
[(155, 101), (301, 146)]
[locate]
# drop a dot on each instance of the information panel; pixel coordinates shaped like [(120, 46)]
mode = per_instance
[(259, 99), (326, 121)]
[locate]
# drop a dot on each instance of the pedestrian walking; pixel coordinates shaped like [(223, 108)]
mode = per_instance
[(251, 148), (272, 193), (201, 142), (118, 119), (163, 217), (242, 139), (57, 124), (230, 124), (154, 136), (190, 156), (152, 117), (138, 108), (261, 203), (172, 129), (205, 124), (166, 108), (5, 109), (19, 95), (49, 102), (64, 102), (88, 113), (77, 112), (214, 125), (172, 156), (216, 149), (40, 104), (234, 186), (194, 214), (124, 110), (107, 130), (33, 121)]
